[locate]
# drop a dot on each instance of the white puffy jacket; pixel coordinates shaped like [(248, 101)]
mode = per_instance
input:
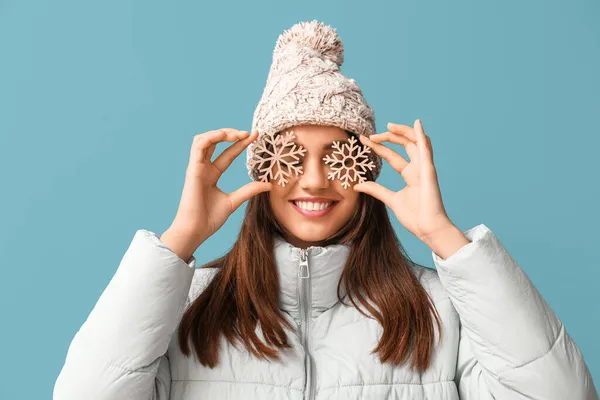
[(501, 339)]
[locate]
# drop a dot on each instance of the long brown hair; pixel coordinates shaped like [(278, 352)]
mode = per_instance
[(244, 292)]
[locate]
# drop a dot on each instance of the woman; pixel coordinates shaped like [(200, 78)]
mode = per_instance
[(317, 299)]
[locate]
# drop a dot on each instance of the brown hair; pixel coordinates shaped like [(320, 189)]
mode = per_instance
[(245, 290)]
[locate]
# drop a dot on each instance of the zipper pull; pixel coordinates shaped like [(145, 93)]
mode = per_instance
[(303, 268)]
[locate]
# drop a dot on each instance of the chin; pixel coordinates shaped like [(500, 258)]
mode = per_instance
[(311, 237), (313, 234)]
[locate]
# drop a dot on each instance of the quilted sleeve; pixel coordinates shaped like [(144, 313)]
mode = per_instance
[(120, 351), (512, 344)]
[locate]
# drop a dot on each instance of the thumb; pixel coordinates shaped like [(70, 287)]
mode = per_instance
[(376, 190), (247, 191)]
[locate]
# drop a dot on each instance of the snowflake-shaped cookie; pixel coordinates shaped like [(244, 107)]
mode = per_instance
[(271, 152), (349, 162)]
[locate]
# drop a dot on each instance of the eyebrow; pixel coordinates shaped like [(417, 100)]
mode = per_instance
[(328, 146)]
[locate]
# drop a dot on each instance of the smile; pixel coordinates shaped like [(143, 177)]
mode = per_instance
[(310, 209)]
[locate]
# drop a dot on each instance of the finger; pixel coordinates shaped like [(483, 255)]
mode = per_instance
[(376, 190), (394, 159), (209, 134), (205, 143), (247, 191), (423, 144), (224, 160), (410, 146), (237, 134), (390, 137), (403, 130)]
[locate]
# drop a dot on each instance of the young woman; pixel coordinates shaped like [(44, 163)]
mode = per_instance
[(317, 299)]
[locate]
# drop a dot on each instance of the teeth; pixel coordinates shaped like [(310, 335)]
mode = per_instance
[(310, 206)]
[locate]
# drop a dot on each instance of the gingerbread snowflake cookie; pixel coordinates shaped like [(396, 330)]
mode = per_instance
[(277, 158), (349, 162)]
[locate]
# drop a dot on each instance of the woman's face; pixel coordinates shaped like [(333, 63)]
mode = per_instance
[(309, 228)]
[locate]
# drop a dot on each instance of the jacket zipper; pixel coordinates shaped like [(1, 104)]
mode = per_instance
[(304, 296)]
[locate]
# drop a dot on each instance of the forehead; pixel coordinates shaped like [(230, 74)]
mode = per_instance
[(317, 137)]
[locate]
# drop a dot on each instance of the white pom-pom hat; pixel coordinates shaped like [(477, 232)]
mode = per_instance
[(305, 87)]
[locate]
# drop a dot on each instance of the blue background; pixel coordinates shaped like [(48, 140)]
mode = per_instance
[(99, 102)]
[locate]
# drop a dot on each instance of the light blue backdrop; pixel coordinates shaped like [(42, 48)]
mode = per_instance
[(99, 102)]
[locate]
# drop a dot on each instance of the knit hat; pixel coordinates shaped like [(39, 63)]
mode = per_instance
[(305, 87)]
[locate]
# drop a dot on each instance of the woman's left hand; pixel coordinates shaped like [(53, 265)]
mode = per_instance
[(418, 206)]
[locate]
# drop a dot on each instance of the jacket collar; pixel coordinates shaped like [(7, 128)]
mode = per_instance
[(325, 266)]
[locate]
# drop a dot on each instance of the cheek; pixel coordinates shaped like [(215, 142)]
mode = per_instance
[(351, 199), (277, 196)]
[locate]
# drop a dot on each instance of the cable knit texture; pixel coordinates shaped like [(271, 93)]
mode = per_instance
[(306, 87)]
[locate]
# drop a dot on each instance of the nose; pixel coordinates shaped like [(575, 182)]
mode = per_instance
[(314, 174)]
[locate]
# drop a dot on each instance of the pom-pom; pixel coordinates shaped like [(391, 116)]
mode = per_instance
[(316, 36)]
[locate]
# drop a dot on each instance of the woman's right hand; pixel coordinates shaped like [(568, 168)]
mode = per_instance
[(203, 207)]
